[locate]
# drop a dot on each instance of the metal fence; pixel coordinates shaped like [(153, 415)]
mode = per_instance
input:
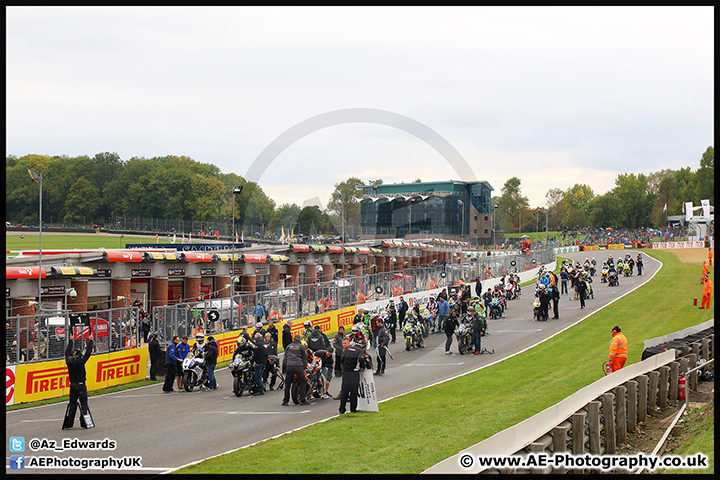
[(44, 336), (220, 315)]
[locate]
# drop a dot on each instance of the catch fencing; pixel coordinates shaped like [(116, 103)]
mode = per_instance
[(219, 315), (43, 336)]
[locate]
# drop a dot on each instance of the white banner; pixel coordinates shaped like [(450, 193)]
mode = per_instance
[(367, 397), (688, 210), (700, 244)]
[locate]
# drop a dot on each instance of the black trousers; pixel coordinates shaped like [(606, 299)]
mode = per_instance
[(556, 308), (78, 392), (350, 385), (169, 377), (154, 367), (381, 359), (291, 372)]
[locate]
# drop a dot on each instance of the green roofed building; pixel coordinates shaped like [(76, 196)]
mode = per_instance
[(450, 209)]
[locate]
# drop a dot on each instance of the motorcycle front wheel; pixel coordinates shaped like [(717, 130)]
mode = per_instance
[(238, 386), (407, 344), (189, 381)]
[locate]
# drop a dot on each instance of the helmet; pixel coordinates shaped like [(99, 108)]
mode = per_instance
[(76, 353), (241, 341), (355, 329), (200, 337), (258, 325), (308, 323)]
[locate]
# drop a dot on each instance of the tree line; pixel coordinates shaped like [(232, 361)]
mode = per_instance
[(100, 188)]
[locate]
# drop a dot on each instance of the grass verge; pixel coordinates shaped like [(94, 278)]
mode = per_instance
[(414, 431)]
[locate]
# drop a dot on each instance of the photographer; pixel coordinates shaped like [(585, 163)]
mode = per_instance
[(75, 361)]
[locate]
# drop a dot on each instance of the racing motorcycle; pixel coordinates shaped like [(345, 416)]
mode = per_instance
[(243, 375), (613, 280), (496, 309), (313, 382), (604, 274), (413, 335), (194, 372), (537, 311), (463, 334)]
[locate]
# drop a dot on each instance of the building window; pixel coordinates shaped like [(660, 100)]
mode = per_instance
[(486, 218), (486, 230), (475, 231)]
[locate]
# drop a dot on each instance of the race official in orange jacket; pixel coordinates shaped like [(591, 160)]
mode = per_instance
[(618, 350), (707, 293)]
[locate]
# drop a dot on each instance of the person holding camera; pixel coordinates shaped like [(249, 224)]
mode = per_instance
[(75, 361)]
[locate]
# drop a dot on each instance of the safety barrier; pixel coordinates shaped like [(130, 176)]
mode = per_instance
[(596, 418)]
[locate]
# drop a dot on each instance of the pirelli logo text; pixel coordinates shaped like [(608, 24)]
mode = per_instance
[(47, 380), (346, 318), (325, 323), (118, 368), (226, 346)]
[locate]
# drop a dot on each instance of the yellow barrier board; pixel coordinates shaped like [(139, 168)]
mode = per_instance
[(616, 246), (42, 380)]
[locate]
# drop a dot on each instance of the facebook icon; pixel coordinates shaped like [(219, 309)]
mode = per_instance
[(17, 462)]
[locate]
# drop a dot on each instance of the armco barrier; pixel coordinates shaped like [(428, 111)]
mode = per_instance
[(593, 420)]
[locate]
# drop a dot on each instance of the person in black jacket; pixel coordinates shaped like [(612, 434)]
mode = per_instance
[(272, 360), (451, 323), (259, 360), (287, 337), (156, 353), (402, 310), (581, 288), (211, 355), (544, 298), (295, 363), (555, 294), (352, 357), (478, 328), (75, 361)]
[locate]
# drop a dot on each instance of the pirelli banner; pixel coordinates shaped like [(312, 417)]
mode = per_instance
[(42, 380)]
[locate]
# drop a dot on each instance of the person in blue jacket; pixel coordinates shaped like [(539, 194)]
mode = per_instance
[(171, 361)]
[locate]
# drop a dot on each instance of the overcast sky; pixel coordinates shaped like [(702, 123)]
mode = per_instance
[(553, 95)]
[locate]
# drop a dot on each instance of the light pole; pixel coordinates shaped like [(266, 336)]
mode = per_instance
[(546, 225), (237, 190), (519, 221), (37, 178), (72, 293)]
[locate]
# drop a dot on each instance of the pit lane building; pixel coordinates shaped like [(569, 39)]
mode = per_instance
[(164, 274)]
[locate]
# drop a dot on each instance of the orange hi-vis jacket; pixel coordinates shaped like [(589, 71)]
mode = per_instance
[(618, 351)]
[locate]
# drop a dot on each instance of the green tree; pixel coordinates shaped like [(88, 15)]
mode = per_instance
[(81, 202), (634, 200), (604, 211), (512, 205), (344, 204), (705, 178)]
